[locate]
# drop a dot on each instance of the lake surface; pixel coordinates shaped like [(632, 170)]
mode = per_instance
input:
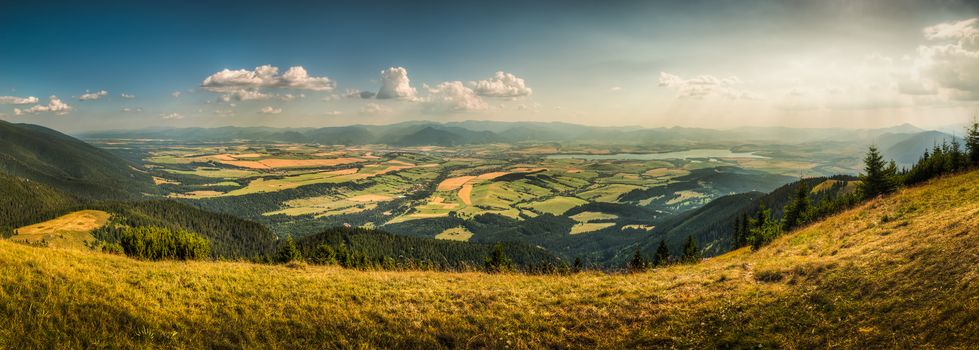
[(694, 153)]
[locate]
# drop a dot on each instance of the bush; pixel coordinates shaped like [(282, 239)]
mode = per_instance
[(159, 243)]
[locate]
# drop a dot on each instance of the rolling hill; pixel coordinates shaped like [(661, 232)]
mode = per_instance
[(68, 164), (895, 272), (712, 225)]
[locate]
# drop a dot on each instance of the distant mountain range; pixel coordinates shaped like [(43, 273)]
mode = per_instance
[(484, 132)]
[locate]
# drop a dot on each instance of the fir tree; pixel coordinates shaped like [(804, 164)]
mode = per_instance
[(796, 211), (662, 256), (972, 142), (498, 261), (638, 262), (763, 228), (690, 252), (878, 177), (288, 251)]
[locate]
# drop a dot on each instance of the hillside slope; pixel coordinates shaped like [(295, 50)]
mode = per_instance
[(68, 164), (897, 272)]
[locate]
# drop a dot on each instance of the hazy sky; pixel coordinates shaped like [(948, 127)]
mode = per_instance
[(100, 65)]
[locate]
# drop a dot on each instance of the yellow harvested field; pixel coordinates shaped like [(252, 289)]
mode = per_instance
[(247, 155), (197, 194), (250, 164), (223, 157), (161, 181), (295, 163), (395, 161), (290, 163), (329, 154), (455, 234), (466, 193), (658, 172), (590, 227), (453, 183), (493, 175), (71, 230), (364, 198)]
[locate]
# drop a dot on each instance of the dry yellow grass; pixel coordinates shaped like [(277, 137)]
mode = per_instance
[(465, 193), (455, 234), (897, 272), (453, 183), (71, 230)]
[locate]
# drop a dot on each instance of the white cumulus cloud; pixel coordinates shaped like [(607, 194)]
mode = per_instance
[(502, 84), (55, 105), (175, 94), (395, 84), (270, 110), (172, 116), (704, 86), (266, 76), (454, 96), (91, 96), (14, 100), (127, 96)]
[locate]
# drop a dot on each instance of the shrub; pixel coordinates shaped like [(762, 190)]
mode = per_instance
[(159, 243)]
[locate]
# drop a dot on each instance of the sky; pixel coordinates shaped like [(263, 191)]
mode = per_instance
[(95, 65)]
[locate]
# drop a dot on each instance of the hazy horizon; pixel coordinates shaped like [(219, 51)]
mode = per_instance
[(867, 64)]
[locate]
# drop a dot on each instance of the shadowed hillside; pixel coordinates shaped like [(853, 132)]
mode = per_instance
[(68, 164), (895, 272)]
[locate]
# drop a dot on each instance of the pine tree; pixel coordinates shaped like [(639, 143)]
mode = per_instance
[(763, 228), (288, 251), (638, 262), (796, 211), (957, 158), (578, 265), (498, 261), (972, 142), (737, 231), (745, 229), (878, 177), (690, 252), (662, 256)]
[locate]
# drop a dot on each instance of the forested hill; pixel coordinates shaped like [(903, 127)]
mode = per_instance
[(347, 246), (713, 226), (68, 164)]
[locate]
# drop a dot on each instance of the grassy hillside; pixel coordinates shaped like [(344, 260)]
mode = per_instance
[(72, 230), (897, 272)]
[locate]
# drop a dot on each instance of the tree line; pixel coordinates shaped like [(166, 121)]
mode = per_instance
[(879, 177)]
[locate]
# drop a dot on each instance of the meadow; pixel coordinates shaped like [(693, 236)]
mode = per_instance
[(895, 272)]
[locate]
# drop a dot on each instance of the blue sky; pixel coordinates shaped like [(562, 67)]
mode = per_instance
[(697, 63)]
